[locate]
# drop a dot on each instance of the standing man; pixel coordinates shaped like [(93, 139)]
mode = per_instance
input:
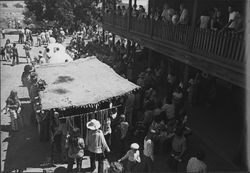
[(148, 151), (27, 49), (184, 15), (14, 55), (129, 108), (96, 145)]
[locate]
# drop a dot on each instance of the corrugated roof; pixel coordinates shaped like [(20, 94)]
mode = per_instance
[(80, 83)]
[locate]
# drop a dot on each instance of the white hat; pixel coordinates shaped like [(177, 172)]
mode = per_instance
[(93, 124), (134, 146), (56, 115)]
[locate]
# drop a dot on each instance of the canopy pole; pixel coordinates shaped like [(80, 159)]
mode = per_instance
[(81, 127)]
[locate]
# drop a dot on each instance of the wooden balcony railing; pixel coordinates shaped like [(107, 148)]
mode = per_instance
[(120, 22), (223, 46)]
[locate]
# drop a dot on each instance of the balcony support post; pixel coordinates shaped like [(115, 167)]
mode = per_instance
[(129, 15), (114, 11), (194, 16), (152, 20)]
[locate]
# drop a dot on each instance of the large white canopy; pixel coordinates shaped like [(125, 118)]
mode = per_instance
[(80, 83)]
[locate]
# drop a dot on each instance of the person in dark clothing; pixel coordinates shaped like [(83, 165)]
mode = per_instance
[(75, 145), (15, 58)]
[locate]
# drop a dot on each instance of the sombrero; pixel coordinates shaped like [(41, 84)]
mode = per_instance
[(93, 124)]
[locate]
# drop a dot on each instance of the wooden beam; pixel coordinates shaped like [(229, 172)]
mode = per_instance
[(194, 13)]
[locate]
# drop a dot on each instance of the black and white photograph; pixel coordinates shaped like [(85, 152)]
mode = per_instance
[(125, 86)]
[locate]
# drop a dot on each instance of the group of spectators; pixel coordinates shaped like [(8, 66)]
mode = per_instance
[(10, 53), (44, 36), (163, 124), (213, 20), (209, 19)]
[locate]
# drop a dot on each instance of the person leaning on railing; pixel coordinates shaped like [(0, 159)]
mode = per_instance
[(184, 15)]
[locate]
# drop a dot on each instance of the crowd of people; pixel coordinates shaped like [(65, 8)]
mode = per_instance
[(211, 19), (161, 125)]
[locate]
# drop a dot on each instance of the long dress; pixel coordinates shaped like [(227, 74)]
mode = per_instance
[(14, 109)]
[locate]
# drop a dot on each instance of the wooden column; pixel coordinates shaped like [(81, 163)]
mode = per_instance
[(113, 12), (194, 13), (129, 15), (152, 20), (193, 22)]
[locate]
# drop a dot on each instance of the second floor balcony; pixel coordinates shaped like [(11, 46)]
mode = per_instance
[(226, 50)]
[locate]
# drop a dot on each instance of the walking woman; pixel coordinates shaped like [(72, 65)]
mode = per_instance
[(13, 106), (75, 145)]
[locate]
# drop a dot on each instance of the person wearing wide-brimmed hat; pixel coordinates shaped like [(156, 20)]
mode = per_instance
[(96, 144), (133, 156)]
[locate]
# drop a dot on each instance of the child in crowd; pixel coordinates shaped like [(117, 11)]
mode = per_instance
[(27, 49), (8, 50), (14, 55)]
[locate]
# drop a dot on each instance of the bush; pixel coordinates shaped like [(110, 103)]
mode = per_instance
[(5, 5), (18, 5)]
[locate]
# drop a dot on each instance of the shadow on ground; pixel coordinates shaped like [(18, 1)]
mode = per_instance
[(25, 149), (5, 128)]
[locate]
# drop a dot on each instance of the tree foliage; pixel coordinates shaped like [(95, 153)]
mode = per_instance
[(65, 12)]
